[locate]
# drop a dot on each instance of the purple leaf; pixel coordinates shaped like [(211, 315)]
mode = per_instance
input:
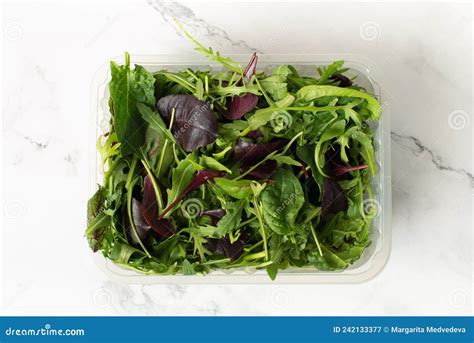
[(149, 211), (201, 177), (339, 170), (254, 152), (240, 105), (255, 134), (222, 246), (140, 224), (333, 155), (216, 213), (334, 199), (262, 172), (251, 67), (344, 81), (194, 125)]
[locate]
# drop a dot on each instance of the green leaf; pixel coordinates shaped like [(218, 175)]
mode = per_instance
[(231, 219), (334, 131), (330, 70), (366, 149), (329, 260), (95, 205), (283, 159), (187, 268), (282, 201), (121, 253), (275, 86), (312, 92), (124, 88), (306, 153), (272, 271), (221, 154), (181, 177), (211, 163), (143, 85), (155, 121), (238, 189)]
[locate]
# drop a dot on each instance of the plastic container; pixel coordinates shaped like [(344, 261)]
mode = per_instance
[(374, 257)]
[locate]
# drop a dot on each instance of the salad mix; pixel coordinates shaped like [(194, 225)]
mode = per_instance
[(210, 170)]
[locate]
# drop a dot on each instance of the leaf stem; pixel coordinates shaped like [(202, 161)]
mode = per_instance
[(316, 240), (154, 183), (130, 217), (262, 227)]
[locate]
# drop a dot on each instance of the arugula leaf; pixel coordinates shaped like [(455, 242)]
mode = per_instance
[(122, 253), (334, 131), (182, 175), (310, 93), (366, 149), (142, 85), (330, 71), (231, 219)]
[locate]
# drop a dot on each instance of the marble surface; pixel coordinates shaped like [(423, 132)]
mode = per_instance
[(51, 50)]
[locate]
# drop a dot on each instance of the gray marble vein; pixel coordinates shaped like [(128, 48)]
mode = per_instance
[(416, 146), (38, 144), (198, 27)]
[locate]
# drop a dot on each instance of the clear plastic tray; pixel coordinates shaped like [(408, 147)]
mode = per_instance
[(375, 256)]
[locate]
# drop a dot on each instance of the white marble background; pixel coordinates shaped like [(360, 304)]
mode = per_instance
[(51, 50)]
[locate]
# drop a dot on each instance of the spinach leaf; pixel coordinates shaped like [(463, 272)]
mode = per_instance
[(282, 201), (128, 126), (238, 189), (211, 163)]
